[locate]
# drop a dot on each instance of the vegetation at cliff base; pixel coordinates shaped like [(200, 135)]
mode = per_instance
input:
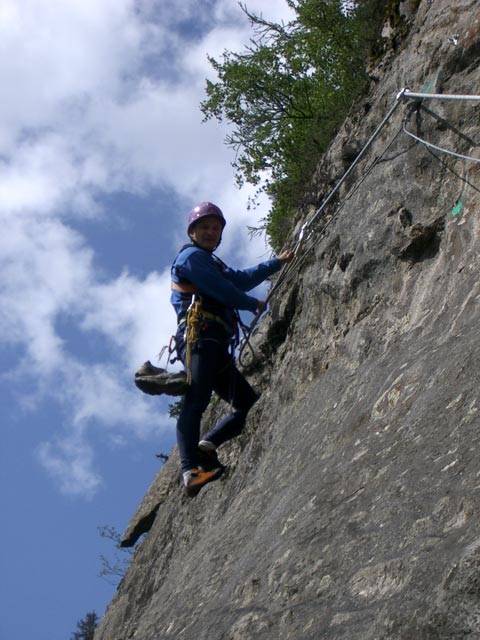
[(287, 93), (115, 567), (86, 627)]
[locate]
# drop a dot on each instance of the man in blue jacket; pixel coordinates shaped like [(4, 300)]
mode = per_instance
[(209, 293)]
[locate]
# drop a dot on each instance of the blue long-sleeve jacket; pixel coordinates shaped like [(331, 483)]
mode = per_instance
[(222, 289)]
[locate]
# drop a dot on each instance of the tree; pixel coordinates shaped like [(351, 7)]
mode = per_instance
[(86, 627), (114, 569), (288, 91), (174, 408)]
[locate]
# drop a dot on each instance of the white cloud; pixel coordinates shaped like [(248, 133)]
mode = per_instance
[(136, 316), (38, 178), (69, 462), (55, 54), (162, 140), (99, 394), (94, 395), (99, 97), (43, 266)]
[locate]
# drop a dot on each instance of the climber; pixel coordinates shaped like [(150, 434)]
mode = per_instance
[(208, 293)]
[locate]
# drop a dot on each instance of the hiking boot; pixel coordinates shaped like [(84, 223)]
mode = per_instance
[(197, 479), (155, 380), (208, 459)]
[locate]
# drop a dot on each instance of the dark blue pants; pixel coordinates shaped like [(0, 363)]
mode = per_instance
[(213, 369)]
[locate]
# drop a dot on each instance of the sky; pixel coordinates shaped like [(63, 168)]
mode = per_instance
[(103, 152)]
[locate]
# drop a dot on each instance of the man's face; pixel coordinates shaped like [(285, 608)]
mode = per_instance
[(207, 232)]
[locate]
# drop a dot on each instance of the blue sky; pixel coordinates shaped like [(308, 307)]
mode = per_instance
[(102, 154)]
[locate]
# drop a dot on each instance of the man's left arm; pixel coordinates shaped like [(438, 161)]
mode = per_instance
[(246, 279)]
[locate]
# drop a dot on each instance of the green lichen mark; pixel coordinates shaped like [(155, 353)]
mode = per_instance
[(431, 83), (457, 209)]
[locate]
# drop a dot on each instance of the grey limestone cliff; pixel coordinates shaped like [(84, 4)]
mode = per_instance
[(351, 507)]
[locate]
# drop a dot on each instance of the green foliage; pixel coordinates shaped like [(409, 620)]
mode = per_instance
[(287, 93), (86, 627), (174, 408)]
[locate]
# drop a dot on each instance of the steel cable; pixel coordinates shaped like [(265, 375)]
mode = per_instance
[(299, 248)]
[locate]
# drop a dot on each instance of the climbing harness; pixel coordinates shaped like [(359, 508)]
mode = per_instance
[(206, 315), (194, 321), (197, 317), (304, 242)]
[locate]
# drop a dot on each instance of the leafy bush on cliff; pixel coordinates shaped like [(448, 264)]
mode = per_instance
[(287, 92)]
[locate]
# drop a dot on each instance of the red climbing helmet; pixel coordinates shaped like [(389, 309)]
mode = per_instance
[(203, 210)]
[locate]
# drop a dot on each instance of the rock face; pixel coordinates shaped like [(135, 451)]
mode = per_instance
[(351, 506)]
